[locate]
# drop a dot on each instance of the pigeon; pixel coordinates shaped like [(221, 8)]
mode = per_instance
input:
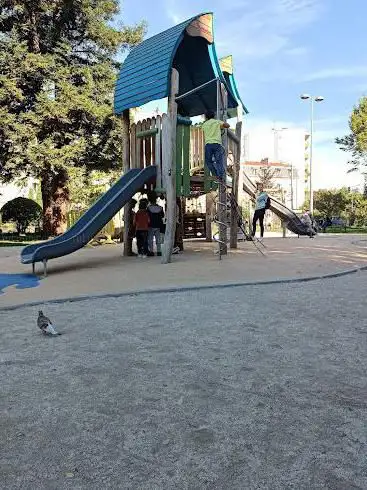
[(45, 325)]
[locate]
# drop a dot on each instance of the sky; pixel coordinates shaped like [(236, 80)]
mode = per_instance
[(281, 49)]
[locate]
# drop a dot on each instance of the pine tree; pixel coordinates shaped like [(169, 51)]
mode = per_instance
[(57, 72)]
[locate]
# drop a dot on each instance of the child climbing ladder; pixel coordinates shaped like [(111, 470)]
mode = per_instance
[(214, 151)]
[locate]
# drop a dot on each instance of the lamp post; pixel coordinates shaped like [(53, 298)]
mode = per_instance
[(312, 99)]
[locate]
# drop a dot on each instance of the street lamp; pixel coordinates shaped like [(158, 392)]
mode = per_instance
[(312, 99)]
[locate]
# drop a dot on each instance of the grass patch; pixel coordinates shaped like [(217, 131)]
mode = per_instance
[(348, 229), (11, 243)]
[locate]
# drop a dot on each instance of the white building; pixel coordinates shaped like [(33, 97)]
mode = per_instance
[(286, 146), (280, 175)]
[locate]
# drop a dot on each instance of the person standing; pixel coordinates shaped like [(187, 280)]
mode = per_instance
[(131, 230), (156, 215), (262, 204), (214, 152), (141, 224), (308, 222)]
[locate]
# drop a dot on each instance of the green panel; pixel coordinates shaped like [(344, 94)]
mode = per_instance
[(186, 160), (148, 132), (209, 185), (207, 179), (185, 121), (179, 136)]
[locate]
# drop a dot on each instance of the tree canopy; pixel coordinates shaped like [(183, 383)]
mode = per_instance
[(23, 212), (341, 203), (57, 73), (356, 141), (331, 202)]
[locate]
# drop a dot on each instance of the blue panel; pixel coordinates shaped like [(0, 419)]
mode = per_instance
[(146, 72), (232, 101), (138, 88), (232, 81), (151, 61), (154, 74)]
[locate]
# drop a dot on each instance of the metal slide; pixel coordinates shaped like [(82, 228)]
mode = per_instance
[(93, 220), (292, 221)]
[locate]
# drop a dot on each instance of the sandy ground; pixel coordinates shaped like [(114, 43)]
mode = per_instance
[(103, 270), (261, 387)]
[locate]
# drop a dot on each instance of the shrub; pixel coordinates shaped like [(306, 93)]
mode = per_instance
[(23, 212)]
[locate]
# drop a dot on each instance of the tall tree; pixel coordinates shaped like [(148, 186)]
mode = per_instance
[(356, 141), (57, 72), (331, 202)]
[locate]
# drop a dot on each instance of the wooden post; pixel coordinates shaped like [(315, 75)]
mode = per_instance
[(126, 168), (139, 143), (209, 204), (148, 145), (235, 182), (169, 167), (222, 204), (133, 146), (142, 144)]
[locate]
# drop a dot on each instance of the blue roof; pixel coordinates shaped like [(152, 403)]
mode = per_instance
[(188, 47)]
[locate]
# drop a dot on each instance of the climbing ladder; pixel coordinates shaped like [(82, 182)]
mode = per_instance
[(258, 244), (221, 212), (242, 225)]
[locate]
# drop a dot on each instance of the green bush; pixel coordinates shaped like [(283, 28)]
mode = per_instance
[(23, 212)]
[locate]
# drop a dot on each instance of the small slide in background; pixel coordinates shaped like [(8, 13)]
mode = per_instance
[(292, 221), (93, 220)]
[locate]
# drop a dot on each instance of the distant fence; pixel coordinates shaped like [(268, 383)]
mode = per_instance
[(74, 215)]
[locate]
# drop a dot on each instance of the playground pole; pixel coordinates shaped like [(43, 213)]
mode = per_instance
[(126, 168), (196, 89), (169, 168), (209, 201), (222, 211), (235, 182)]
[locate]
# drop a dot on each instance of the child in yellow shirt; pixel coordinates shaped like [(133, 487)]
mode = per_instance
[(214, 151)]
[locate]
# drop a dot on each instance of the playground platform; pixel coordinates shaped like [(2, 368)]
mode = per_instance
[(104, 271)]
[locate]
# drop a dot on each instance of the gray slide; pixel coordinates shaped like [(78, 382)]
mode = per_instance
[(292, 221), (93, 220)]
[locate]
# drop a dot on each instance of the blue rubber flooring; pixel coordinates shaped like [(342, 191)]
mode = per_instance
[(21, 281)]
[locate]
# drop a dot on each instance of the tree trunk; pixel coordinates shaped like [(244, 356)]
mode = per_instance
[(60, 198), (46, 202), (55, 199)]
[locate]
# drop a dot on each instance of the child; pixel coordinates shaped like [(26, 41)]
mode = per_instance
[(261, 203), (307, 221), (141, 223), (156, 215), (131, 232), (213, 144)]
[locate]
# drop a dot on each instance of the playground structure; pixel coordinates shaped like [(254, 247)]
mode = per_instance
[(167, 153)]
